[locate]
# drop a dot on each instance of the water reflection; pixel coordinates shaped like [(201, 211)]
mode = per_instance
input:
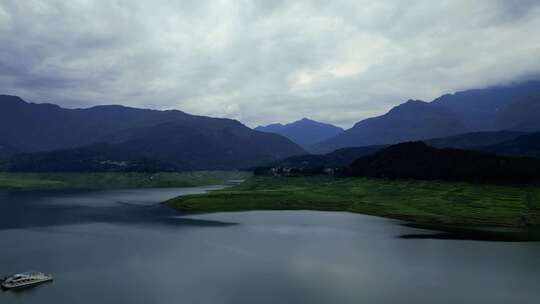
[(55, 208), (120, 247), (500, 234)]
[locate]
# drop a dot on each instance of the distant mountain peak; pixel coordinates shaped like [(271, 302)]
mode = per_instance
[(410, 121), (11, 99), (274, 125), (110, 107), (415, 101), (411, 105), (479, 109), (508, 107), (304, 132)]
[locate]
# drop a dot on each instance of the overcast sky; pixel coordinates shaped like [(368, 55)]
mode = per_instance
[(263, 61)]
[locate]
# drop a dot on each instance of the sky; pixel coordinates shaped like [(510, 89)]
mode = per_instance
[(263, 61)]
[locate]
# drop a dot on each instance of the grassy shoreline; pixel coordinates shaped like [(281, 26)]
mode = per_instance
[(424, 202), (114, 180)]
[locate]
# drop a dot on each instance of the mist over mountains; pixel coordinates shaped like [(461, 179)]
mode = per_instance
[(514, 107)]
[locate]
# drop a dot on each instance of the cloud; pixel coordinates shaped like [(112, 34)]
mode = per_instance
[(263, 61)]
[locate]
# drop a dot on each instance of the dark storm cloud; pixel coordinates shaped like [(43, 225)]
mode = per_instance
[(263, 61)]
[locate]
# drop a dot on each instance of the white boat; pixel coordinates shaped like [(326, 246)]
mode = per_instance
[(26, 279)]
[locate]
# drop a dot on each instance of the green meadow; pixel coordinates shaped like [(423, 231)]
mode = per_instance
[(445, 203)]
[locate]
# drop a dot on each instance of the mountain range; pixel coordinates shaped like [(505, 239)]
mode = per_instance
[(339, 158), (188, 142), (482, 109), (412, 120), (45, 137), (503, 143), (304, 132), (514, 107)]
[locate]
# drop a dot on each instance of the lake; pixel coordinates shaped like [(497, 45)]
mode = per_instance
[(121, 246)]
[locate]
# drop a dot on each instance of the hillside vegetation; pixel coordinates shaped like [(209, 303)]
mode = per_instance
[(417, 160)]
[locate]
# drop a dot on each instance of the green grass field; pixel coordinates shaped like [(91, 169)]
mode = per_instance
[(35, 181), (443, 203)]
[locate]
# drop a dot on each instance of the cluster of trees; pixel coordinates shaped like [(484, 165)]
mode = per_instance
[(417, 160)]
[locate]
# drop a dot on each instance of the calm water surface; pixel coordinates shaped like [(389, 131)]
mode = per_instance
[(120, 247)]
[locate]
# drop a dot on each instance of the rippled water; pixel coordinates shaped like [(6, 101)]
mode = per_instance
[(121, 247)]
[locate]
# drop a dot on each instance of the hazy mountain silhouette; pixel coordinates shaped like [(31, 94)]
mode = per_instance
[(521, 115), (479, 109), (514, 107), (336, 159), (304, 132), (525, 145), (498, 142), (173, 136), (474, 140), (412, 120)]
